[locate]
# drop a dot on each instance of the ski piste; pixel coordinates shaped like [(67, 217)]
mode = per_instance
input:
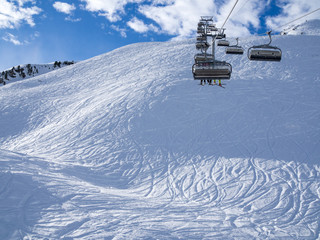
[(108, 149)]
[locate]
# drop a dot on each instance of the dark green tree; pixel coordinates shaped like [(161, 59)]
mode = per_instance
[(29, 68)]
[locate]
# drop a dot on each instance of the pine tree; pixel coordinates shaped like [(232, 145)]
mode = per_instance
[(29, 69)]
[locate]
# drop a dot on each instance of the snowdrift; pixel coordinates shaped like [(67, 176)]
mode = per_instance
[(127, 145)]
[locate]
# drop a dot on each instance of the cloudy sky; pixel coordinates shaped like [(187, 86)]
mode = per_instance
[(42, 31)]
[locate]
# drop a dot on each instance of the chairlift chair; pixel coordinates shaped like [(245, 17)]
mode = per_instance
[(203, 57), (202, 45), (201, 38), (206, 18), (212, 27), (234, 49), (220, 36), (213, 70), (265, 52), (223, 43)]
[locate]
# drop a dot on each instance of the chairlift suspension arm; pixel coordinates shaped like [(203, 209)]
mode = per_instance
[(269, 34)]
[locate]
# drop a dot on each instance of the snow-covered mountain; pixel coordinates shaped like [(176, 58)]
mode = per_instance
[(26, 71), (127, 145), (310, 27)]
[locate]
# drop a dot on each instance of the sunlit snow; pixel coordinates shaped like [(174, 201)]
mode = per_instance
[(127, 145)]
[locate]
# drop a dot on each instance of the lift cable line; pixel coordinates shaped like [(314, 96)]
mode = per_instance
[(300, 17), (242, 6), (229, 14), (224, 42)]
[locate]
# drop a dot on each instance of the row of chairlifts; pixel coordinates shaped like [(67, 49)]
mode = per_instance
[(264, 52), (207, 68), (231, 49)]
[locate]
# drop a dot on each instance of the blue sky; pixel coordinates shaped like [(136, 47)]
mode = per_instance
[(42, 31)]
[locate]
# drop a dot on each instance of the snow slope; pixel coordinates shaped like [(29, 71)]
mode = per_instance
[(127, 145), (310, 27)]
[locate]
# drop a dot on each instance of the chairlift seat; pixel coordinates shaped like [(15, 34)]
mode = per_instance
[(201, 38), (267, 53), (206, 18), (220, 36), (212, 70), (201, 57), (223, 43), (202, 45), (234, 50), (213, 29)]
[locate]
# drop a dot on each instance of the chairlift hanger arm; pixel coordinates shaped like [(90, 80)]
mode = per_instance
[(269, 34)]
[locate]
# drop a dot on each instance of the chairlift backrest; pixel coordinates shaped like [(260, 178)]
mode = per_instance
[(265, 52), (235, 49), (212, 70), (223, 42), (203, 57)]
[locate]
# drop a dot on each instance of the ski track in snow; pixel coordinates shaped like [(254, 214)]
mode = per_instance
[(127, 146)]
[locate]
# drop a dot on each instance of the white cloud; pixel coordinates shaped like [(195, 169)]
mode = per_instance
[(12, 38), (64, 7), (179, 17), (291, 10), (122, 31), (245, 15), (110, 9), (13, 13), (71, 19), (140, 27), (8, 37)]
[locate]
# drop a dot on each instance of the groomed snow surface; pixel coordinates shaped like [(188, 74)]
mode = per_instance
[(127, 145)]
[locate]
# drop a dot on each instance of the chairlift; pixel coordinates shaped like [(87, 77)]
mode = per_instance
[(212, 70), (223, 43), (221, 35), (234, 49), (265, 52), (206, 18), (203, 57), (212, 27), (201, 38), (202, 45)]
